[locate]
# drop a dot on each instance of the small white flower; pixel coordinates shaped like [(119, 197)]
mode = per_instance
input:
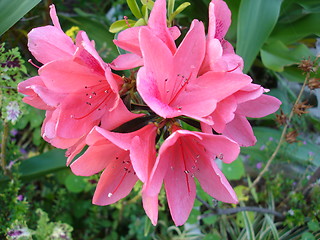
[(13, 111), (291, 212)]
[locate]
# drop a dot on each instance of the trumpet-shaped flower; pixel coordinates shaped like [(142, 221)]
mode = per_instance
[(124, 157), (182, 157), (169, 83), (129, 38)]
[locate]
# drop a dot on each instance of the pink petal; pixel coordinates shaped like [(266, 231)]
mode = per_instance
[(240, 130), (143, 152), (223, 84), (96, 158), (54, 18), (220, 146), (116, 182), (175, 32), (50, 43), (158, 24), (117, 116), (260, 107), (126, 61), (219, 19), (66, 76), (249, 92), (180, 186), (128, 40), (74, 150), (223, 113), (37, 93), (78, 117), (150, 205), (215, 183)]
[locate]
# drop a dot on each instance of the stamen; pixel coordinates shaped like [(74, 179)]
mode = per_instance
[(32, 63), (238, 65)]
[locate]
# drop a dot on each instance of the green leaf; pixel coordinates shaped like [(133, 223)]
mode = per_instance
[(256, 21), (234, 170), (248, 226), (170, 7), (140, 22), (43, 164), (121, 25), (293, 32), (134, 8), (314, 226), (12, 10), (75, 183), (148, 3), (276, 55), (179, 10), (307, 236)]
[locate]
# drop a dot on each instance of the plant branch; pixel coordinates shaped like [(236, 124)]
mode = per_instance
[(217, 211), (3, 148), (283, 134), (242, 209)]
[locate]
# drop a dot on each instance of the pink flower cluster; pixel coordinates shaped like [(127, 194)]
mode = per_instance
[(133, 125)]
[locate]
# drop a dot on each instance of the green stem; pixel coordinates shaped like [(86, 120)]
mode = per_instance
[(5, 134), (283, 134)]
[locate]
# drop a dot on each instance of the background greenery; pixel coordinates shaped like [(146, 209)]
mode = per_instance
[(41, 196)]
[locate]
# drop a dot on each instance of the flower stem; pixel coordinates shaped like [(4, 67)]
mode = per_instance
[(5, 134), (283, 134)]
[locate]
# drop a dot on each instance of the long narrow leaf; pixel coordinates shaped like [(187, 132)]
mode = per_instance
[(12, 10), (256, 21)]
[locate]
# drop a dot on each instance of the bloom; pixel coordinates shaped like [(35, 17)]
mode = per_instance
[(183, 156), (169, 83), (129, 38), (123, 156)]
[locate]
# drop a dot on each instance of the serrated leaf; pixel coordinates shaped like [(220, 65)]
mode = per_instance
[(12, 10), (179, 9), (121, 25), (134, 8), (256, 21)]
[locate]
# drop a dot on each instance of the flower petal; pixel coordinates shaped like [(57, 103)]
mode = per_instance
[(240, 130), (260, 107), (50, 43), (126, 61), (215, 183), (115, 182)]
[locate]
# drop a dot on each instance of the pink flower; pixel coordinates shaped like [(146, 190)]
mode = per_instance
[(129, 38), (124, 157), (183, 156), (77, 89), (50, 43), (230, 116), (168, 82)]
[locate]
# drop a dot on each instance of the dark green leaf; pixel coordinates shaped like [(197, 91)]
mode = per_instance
[(12, 10), (276, 55), (256, 21), (293, 32), (134, 8)]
